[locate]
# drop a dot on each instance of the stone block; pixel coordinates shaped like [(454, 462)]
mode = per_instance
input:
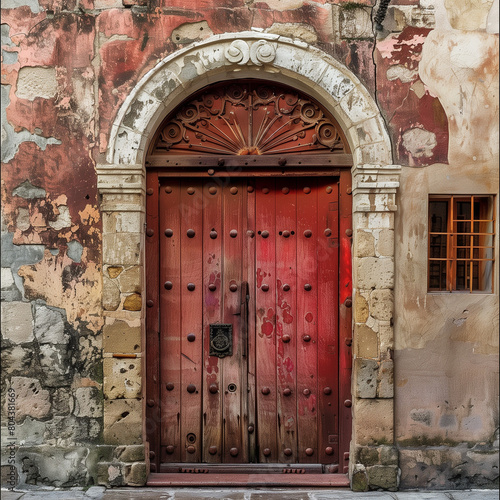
[(120, 206), (364, 244), (54, 466), (127, 144), (122, 378), (123, 421), (381, 304), (49, 325), (61, 401), (17, 322), (135, 474), (121, 248), (367, 455), (341, 88), (7, 279), (55, 361), (165, 81), (365, 376), (122, 222), (114, 271), (365, 342), (72, 430), (119, 337), (385, 383), (385, 243), (109, 474), (130, 280), (133, 302), (110, 294), (388, 455), (380, 220), (17, 360), (372, 272), (361, 310), (386, 338), (36, 81), (376, 455), (131, 453), (10, 479), (88, 402), (138, 116), (369, 131), (31, 399), (373, 154), (359, 478), (355, 22), (31, 433), (373, 421), (383, 476), (358, 108)]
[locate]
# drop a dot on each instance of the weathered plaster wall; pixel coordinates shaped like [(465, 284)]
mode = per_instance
[(68, 66), (446, 348)]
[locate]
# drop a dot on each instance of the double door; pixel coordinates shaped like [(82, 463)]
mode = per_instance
[(248, 318)]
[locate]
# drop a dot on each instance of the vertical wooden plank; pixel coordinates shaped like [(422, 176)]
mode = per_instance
[(286, 335), (233, 371), (328, 289), (249, 277), (212, 313), (345, 319), (265, 320), (191, 285), (307, 323), (152, 320), (170, 320)]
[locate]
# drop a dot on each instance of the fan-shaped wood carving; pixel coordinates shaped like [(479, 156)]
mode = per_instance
[(248, 118)]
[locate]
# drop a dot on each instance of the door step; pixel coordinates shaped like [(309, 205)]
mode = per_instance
[(200, 468), (237, 479)]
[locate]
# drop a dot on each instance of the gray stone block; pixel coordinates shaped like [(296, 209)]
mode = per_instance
[(366, 378), (383, 476), (49, 323), (17, 322)]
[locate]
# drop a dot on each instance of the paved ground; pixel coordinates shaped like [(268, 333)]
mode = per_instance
[(99, 493)]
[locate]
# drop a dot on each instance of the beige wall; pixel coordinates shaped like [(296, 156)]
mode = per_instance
[(446, 358)]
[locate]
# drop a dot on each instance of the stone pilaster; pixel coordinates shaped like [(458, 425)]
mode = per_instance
[(122, 191), (374, 460)]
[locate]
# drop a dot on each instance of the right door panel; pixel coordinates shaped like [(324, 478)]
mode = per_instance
[(296, 320)]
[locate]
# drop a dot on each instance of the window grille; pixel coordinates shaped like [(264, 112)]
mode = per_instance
[(461, 243)]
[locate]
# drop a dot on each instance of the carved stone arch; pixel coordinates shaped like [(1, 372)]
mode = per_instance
[(121, 183), (249, 55)]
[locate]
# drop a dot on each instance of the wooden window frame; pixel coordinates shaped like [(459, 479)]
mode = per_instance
[(478, 242)]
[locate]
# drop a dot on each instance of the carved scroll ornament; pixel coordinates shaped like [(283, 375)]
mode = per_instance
[(259, 53)]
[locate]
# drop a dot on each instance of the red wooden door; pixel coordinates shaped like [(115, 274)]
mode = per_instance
[(249, 326)]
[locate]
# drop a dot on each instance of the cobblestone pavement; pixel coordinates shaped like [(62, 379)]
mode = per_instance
[(99, 493)]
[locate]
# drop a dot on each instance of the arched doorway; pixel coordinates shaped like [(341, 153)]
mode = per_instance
[(375, 180), (248, 352)]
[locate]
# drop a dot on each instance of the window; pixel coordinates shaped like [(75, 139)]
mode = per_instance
[(461, 232)]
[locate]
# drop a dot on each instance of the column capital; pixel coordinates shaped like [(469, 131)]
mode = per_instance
[(379, 180), (121, 179)]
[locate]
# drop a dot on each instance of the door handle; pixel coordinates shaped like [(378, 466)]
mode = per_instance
[(245, 297)]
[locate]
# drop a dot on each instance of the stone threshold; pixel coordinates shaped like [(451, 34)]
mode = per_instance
[(248, 480)]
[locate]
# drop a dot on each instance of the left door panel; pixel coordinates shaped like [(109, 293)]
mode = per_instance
[(203, 396)]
